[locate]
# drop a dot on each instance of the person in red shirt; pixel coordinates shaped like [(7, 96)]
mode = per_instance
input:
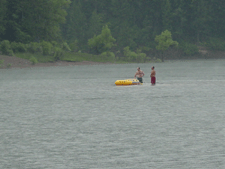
[(153, 78)]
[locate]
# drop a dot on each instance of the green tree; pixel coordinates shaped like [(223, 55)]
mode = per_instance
[(6, 48), (34, 20), (178, 18), (132, 23), (2, 16), (166, 15), (216, 22), (123, 23), (199, 15), (95, 24), (103, 42), (164, 42), (76, 26)]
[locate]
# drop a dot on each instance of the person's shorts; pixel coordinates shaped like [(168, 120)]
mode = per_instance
[(153, 80), (140, 79)]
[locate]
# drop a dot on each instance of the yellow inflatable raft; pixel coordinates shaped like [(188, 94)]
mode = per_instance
[(127, 82)]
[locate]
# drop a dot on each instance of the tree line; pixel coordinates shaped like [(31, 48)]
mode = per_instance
[(133, 23)]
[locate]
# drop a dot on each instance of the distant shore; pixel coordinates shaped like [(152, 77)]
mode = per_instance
[(15, 62), (8, 62)]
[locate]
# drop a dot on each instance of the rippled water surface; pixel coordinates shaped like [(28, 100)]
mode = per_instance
[(75, 117)]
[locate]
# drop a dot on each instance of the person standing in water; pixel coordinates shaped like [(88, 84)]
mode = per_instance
[(153, 78), (139, 74)]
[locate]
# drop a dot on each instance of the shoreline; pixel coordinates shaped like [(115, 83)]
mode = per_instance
[(52, 64), (13, 62)]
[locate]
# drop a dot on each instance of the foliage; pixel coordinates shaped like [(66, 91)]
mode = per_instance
[(95, 24), (18, 47), (79, 57), (166, 14), (47, 47), (132, 56), (141, 57), (65, 47), (188, 48), (132, 23), (75, 57), (58, 53), (40, 57), (103, 42), (74, 46), (108, 56), (34, 47), (9, 65), (54, 43), (43, 52), (1, 63), (3, 10), (6, 48), (58, 50), (158, 60), (215, 44), (144, 48), (165, 41), (76, 24), (39, 20), (33, 60)]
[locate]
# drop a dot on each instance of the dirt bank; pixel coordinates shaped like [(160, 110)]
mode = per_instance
[(15, 62)]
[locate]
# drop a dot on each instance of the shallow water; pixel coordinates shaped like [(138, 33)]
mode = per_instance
[(75, 117)]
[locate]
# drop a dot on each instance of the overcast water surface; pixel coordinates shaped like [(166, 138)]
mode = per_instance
[(75, 117)]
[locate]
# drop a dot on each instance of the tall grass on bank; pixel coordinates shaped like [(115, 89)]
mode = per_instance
[(1, 63), (40, 57), (79, 57)]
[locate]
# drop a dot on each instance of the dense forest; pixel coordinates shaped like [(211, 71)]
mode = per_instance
[(132, 23)]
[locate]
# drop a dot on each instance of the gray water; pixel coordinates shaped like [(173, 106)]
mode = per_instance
[(75, 117)]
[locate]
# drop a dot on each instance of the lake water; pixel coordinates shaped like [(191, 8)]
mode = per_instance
[(75, 117)]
